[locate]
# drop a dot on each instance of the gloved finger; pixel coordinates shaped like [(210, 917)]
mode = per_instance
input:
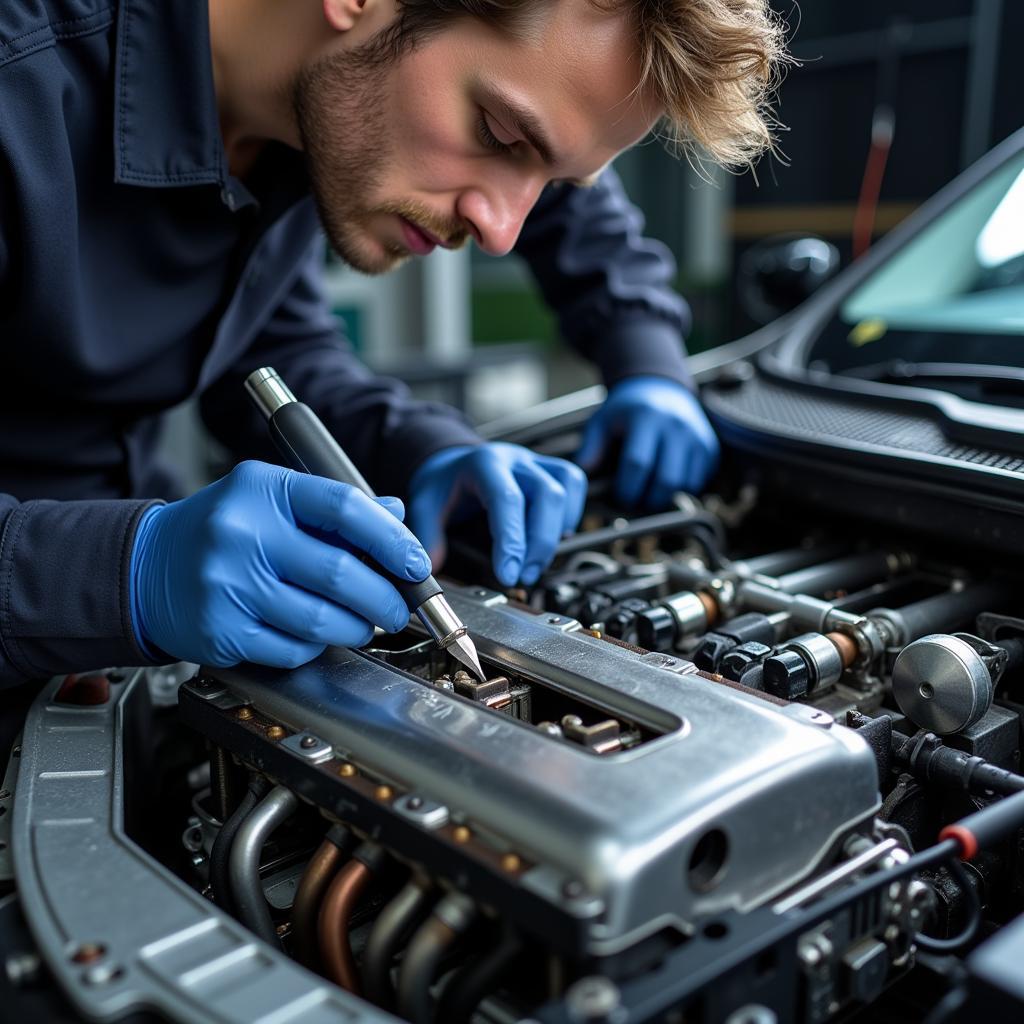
[(695, 473), (505, 503), (394, 505), (361, 521), (574, 480), (269, 646), (427, 511), (594, 442), (309, 617), (545, 513), (671, 469), (636, 463), (338, 575), (702, 463)]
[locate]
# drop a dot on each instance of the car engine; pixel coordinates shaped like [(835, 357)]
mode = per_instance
[(753, 760), (691, 787)]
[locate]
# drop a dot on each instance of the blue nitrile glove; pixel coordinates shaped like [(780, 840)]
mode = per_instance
[(531, 501), (257, 567), (667, 442)]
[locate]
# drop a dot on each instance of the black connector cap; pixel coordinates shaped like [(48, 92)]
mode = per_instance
[(786, 675), (656, 629)]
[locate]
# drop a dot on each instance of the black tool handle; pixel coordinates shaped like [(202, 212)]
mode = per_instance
[(308, 446)]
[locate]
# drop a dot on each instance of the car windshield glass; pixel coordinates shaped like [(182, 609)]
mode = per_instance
[(947, 310)]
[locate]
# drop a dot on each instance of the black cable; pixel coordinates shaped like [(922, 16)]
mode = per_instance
[(220, 872), (929, 760), (706, 529), (934, 945)]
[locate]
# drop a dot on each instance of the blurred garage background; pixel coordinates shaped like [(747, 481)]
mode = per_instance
[(890, 101)]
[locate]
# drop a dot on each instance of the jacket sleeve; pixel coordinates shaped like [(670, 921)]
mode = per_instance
[(609, 285), (64, 579), (385, 431)]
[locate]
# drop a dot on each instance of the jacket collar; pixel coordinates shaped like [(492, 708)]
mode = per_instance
[(166, 124)]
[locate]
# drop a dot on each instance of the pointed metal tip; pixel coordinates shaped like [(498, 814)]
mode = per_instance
[(465, 650)]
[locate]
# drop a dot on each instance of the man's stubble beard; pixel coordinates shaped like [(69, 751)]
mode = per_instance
[(340, 106)]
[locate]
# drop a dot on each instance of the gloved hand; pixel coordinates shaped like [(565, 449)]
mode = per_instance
[(667, 442), (531, 501), (256, 567)]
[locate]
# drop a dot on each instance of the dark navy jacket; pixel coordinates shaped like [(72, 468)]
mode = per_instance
[(136, 272)]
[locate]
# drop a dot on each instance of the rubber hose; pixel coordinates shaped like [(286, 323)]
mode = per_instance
[(220, 870)]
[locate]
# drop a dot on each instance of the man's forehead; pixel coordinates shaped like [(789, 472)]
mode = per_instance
[(577, 73)]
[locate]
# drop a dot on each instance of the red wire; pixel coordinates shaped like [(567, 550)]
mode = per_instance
[(870, 187)]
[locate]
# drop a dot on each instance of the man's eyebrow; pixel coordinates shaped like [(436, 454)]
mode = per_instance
[(523, 120)]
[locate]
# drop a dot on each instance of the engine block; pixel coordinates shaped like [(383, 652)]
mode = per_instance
[(710, 797)]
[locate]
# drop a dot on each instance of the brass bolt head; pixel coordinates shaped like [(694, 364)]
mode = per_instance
[(511, 862), (244, 714), (462, 834), (275, 732), (346, 771), (88, 953), (383, 792)]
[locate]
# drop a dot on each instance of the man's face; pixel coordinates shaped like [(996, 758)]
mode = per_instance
[(458, 138)]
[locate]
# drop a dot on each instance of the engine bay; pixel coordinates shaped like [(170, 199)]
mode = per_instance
[(705, 779)]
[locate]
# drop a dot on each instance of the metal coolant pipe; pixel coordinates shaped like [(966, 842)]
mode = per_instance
[(273, 810), (777, 562), (846, 573), (941, 613)]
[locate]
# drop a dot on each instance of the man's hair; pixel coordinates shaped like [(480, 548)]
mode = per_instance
[(713, 64)]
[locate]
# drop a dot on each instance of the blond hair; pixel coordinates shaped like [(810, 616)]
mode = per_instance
[(713, 64)]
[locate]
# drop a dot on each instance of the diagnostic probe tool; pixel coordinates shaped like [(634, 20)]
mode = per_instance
[(308, 446)]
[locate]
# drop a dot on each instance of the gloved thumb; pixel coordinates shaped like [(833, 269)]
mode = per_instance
[(595, 439)]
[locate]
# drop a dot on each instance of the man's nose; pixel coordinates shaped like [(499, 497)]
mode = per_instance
[(495, 214)]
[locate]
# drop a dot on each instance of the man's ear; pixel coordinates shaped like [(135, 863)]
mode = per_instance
[(343, 14)]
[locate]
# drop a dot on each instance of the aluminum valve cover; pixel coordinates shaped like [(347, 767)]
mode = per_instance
[(737, 800)]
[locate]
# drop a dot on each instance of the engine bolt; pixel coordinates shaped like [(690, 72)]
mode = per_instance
[(89, 953), (511, 862), (383, 792), (462, 834), (275, 732), (414, 803), (346, 771), (307, 742), (573, 889), (593, 999), (244, 714)]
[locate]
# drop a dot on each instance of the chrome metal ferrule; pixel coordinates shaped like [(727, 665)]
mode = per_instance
[(268, 391), (441, 622)]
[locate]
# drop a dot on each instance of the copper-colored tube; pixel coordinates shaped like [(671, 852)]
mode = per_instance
[(710, 606), (846, 646), (308, 897), (341, 898)]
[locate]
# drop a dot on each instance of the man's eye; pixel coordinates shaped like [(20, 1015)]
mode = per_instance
[(487, 137)]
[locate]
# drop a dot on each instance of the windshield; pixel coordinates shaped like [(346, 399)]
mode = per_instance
[(947, 310)]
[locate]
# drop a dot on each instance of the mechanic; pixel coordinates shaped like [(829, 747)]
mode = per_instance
[(166, 168)]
